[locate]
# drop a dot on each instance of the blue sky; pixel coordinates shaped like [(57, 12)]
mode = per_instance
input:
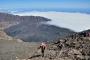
[(41, 4)]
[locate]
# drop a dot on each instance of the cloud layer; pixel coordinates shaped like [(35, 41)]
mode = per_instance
[(75, 21)]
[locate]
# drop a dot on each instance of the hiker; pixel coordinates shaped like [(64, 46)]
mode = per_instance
[(42, 47)]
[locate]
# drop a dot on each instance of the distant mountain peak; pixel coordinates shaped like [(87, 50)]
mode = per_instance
[(32, 28)]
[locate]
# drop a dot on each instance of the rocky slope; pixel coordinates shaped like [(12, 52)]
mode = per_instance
[(69, 48), (11, 48), (72, 49)]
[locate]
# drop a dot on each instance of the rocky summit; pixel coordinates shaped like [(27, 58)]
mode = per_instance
[(76, 48)]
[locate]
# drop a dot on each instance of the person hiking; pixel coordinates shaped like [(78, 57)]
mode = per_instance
[(42, 47)]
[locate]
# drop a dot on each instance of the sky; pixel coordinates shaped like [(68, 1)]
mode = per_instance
[(42, 4)]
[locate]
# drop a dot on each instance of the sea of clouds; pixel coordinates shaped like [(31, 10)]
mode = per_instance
[(75, 21)]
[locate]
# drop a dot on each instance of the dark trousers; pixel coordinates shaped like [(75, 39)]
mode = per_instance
[(42, 51)]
